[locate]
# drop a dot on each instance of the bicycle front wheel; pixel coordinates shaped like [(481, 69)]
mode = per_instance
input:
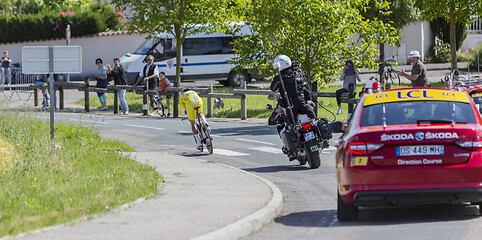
[(394, 76), (209, 145)]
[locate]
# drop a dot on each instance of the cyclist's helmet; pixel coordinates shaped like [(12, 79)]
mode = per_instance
[(184, 90)]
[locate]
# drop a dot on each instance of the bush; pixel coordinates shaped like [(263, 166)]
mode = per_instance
[(465, 57), (442, 53), (48, 24), (474, 53)]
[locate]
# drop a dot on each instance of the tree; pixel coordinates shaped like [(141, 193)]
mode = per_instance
[(320, 34), (453, 11), (441, 29), (401, 13), (181, 18)]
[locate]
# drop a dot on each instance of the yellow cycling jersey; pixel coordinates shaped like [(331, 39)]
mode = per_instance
[(189, 100)]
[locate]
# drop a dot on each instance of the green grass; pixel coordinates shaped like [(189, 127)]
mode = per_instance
[(256, 104), (75, 174)]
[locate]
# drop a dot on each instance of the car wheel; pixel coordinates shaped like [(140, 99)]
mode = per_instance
[(480, 209), (346, 212), (236, 79)]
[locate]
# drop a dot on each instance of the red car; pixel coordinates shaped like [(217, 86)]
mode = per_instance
[(410, 146), (475, 92)]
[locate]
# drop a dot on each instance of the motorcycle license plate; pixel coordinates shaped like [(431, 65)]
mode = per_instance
[(309, 136)]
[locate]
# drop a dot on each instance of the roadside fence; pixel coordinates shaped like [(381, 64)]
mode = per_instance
[(208, 92), (13, 81)]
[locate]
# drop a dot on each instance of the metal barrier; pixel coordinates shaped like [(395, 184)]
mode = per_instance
[(348, 97), (14, 81)]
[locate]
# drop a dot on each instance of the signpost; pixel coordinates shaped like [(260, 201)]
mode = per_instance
[(50, 60), (67, 39)]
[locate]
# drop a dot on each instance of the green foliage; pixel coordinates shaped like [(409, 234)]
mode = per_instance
[(56, 181), (48, 24), (441, 29), (441, 53), (453, 11), (401, 12), (181, 18), (320, 34), (476, 57)]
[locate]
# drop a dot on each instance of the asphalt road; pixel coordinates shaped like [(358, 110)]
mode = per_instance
[(310, 195)]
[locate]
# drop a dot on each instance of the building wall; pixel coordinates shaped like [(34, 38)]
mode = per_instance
[(415, 36), (106, 46)]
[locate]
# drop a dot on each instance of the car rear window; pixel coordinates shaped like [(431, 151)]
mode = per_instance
[(414, 112)]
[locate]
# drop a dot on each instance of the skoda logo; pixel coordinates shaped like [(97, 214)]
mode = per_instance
[(419, 136)]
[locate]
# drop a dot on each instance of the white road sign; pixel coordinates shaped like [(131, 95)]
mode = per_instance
[(66, 59)]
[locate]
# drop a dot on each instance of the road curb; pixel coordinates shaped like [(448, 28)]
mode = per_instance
[(252, 222)]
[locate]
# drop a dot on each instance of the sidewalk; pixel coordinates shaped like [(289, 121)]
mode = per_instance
[(199, 199)]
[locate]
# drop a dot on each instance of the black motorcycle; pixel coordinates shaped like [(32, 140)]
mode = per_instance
[(302, 140)]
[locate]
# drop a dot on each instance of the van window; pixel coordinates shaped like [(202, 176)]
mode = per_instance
[(415, 111), (144, 49), (202, 46), (227, 45), (165, 49)]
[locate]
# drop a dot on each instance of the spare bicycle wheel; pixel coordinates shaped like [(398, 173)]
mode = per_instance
[(160, 109)]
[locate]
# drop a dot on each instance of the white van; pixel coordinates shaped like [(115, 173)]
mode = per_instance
[(203, 56)]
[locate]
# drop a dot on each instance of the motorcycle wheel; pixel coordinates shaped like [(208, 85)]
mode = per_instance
[(313, 158)]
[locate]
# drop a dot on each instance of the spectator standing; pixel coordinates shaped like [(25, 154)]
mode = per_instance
[(149, 74), (163, 84), (120, 78), (102, 82), (348, 76), (41, 80), (6, 74), (418, 75)]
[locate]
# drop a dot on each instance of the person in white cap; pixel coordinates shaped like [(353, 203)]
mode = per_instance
[(418, 75)]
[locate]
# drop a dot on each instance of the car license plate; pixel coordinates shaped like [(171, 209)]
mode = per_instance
[(309, 136), (420, 150)]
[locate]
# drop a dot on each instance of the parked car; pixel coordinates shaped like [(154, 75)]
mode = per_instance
[(410, 146)]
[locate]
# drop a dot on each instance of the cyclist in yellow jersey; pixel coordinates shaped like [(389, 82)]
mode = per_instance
[(189, 100)]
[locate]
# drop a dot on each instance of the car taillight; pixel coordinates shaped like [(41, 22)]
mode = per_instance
[(306, 126), (362, 148), (472, 144)]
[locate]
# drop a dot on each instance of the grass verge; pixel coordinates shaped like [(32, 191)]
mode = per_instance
[(73, 175), (256, 104)]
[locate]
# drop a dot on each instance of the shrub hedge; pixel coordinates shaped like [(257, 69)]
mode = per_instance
[(48, 24)]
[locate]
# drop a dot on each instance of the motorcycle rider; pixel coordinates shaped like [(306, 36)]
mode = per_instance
[(293, 82)]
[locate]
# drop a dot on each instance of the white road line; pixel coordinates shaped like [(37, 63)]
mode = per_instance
[(254, 141), (137, 126), (228, 153), (268, 149), (73, 119), (184, 132)]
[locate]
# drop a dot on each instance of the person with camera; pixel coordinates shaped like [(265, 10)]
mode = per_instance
[(418, 75), (349, 76), (293, 83), (6, 61)]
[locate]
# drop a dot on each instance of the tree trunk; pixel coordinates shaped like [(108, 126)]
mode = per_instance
[(380, 67), (177, 83), (453, 50)]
